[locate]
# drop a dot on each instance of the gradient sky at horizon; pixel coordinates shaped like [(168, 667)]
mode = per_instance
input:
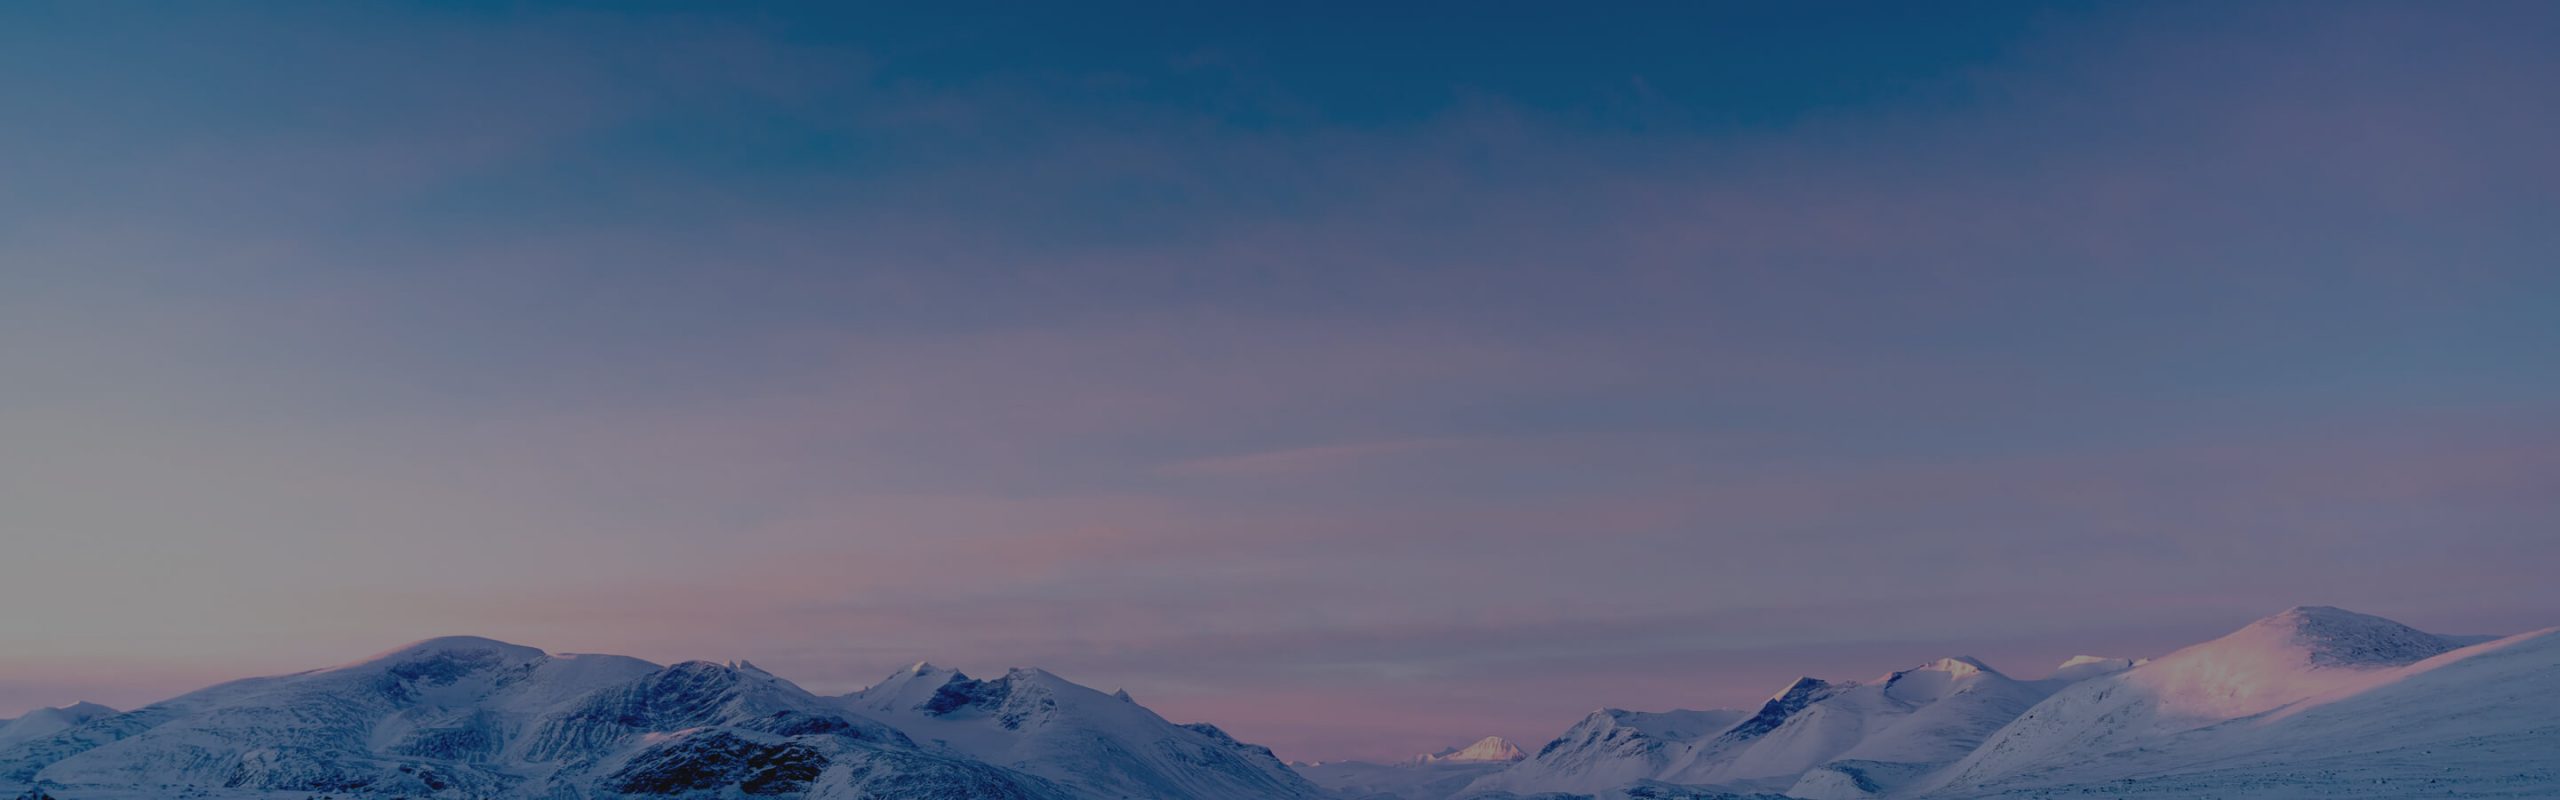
[(1364, 380)]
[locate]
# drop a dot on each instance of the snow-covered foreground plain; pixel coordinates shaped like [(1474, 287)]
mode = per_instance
[(2309, 703)]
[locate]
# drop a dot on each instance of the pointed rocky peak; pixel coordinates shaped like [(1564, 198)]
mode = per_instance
[(1023, 697), (961, 692), (1786, 703), (1035, 675), (1803, 689), (906, 688)]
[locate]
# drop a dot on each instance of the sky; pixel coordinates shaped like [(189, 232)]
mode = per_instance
[(1362, 379)]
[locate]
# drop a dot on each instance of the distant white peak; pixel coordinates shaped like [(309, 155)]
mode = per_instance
[(1122, 695), (1961, 665), (1488, 750), (1958, 667)]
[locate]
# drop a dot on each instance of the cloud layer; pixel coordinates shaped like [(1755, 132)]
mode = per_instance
[(1362, 401)]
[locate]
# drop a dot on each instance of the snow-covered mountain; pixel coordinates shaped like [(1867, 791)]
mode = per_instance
[(45, 722), (1039, 723), (1815, 738), (1610, 748), (1488, 750), (476, 718), (420, 719), (2311, 702)]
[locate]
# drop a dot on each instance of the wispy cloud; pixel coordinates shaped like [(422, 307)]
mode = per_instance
[(712, 337)]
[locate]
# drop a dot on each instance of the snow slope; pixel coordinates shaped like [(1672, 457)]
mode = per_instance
[(1431, 776), (2311, 702), (1875, 737), (1403, 780), (1488, 750), (1609, 748), (475, 718), (418, 718), (1815, 738), (2081, 668), (1036, 722), (701, 729), (45, 722)]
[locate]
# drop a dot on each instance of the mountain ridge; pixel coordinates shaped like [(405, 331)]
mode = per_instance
[(470, 718), (2312, 701)]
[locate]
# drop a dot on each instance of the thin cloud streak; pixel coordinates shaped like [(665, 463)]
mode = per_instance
[(1357, 438)]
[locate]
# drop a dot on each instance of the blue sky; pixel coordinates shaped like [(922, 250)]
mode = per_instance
[(1364, 380)]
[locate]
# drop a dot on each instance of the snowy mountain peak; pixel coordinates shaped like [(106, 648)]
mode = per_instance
[(2335, 637), (1035, 721), (1800, 689), (455, 649), (1959, 666), (1488, 750), (1954, 670), (80, 711), (1803, 692), (45, 722)]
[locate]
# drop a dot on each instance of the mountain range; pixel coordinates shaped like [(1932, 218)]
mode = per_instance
[(2311, 702)]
